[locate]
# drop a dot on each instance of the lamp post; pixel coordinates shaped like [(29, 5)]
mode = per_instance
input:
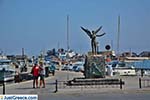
[(68, 70)]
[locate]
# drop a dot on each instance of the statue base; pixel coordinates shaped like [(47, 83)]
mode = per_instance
[(94, 66)]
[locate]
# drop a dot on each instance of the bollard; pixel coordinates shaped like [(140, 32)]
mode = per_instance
[(3, 80), (121, 83), (140, 85), (3, 87), (56, 86), (142, 72)]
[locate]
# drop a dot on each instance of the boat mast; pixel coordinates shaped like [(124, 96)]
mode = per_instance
[(118, 38), (68, 33)]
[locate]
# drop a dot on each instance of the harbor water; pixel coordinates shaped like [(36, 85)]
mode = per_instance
[(144, 64)]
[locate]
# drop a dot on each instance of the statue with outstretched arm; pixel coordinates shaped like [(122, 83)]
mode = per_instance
[(93, 36)]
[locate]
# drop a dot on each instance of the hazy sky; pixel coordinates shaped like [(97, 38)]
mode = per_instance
[(41, 24)]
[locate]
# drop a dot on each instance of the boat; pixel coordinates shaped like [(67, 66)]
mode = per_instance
[(7, 71)]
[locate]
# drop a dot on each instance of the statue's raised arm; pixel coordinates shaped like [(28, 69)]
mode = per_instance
[(100, 35), (98, 30), (87, 31)]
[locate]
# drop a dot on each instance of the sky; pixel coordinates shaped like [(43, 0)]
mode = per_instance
[(41, 25)]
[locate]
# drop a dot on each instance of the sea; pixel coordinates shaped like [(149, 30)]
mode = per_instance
[(144, 64)]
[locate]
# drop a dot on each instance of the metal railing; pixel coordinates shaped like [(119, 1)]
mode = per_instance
[(114, 83)]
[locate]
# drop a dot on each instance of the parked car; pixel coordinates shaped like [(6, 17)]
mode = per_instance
[(67, 67), (78, 66), (123, 68)]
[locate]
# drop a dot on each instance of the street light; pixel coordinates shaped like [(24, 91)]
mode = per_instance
[(68, 70), (67, 66)]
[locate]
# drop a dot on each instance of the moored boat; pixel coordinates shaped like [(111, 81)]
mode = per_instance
[(7, 71)]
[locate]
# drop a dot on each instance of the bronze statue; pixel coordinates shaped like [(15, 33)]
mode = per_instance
[(93, 36)]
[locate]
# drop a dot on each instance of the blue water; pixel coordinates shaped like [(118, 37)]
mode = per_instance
[(145, 64)]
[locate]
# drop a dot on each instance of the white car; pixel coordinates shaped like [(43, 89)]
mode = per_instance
[(78, 66), (124, 69)]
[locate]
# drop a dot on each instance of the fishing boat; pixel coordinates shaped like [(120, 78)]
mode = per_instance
[(7, 71)]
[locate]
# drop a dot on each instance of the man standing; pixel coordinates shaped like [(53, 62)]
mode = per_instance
[(53, 69), (35, 73)]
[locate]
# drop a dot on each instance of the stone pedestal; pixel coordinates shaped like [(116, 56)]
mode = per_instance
[(94, 66)]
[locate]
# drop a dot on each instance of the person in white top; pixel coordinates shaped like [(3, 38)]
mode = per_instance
[(42, 75)]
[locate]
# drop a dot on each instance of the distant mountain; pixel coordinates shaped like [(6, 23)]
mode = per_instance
[(144, 54), (129, 54)]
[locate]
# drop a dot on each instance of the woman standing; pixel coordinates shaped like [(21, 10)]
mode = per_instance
[(42, 75)]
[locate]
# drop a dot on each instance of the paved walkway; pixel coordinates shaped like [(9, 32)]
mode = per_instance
[(26, 87), (130, 90)]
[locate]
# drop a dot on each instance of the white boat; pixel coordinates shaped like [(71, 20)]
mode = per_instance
[(123, 68), (7, 71)]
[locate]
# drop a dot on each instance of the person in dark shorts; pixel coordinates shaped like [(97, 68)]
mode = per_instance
[(52, 68)]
